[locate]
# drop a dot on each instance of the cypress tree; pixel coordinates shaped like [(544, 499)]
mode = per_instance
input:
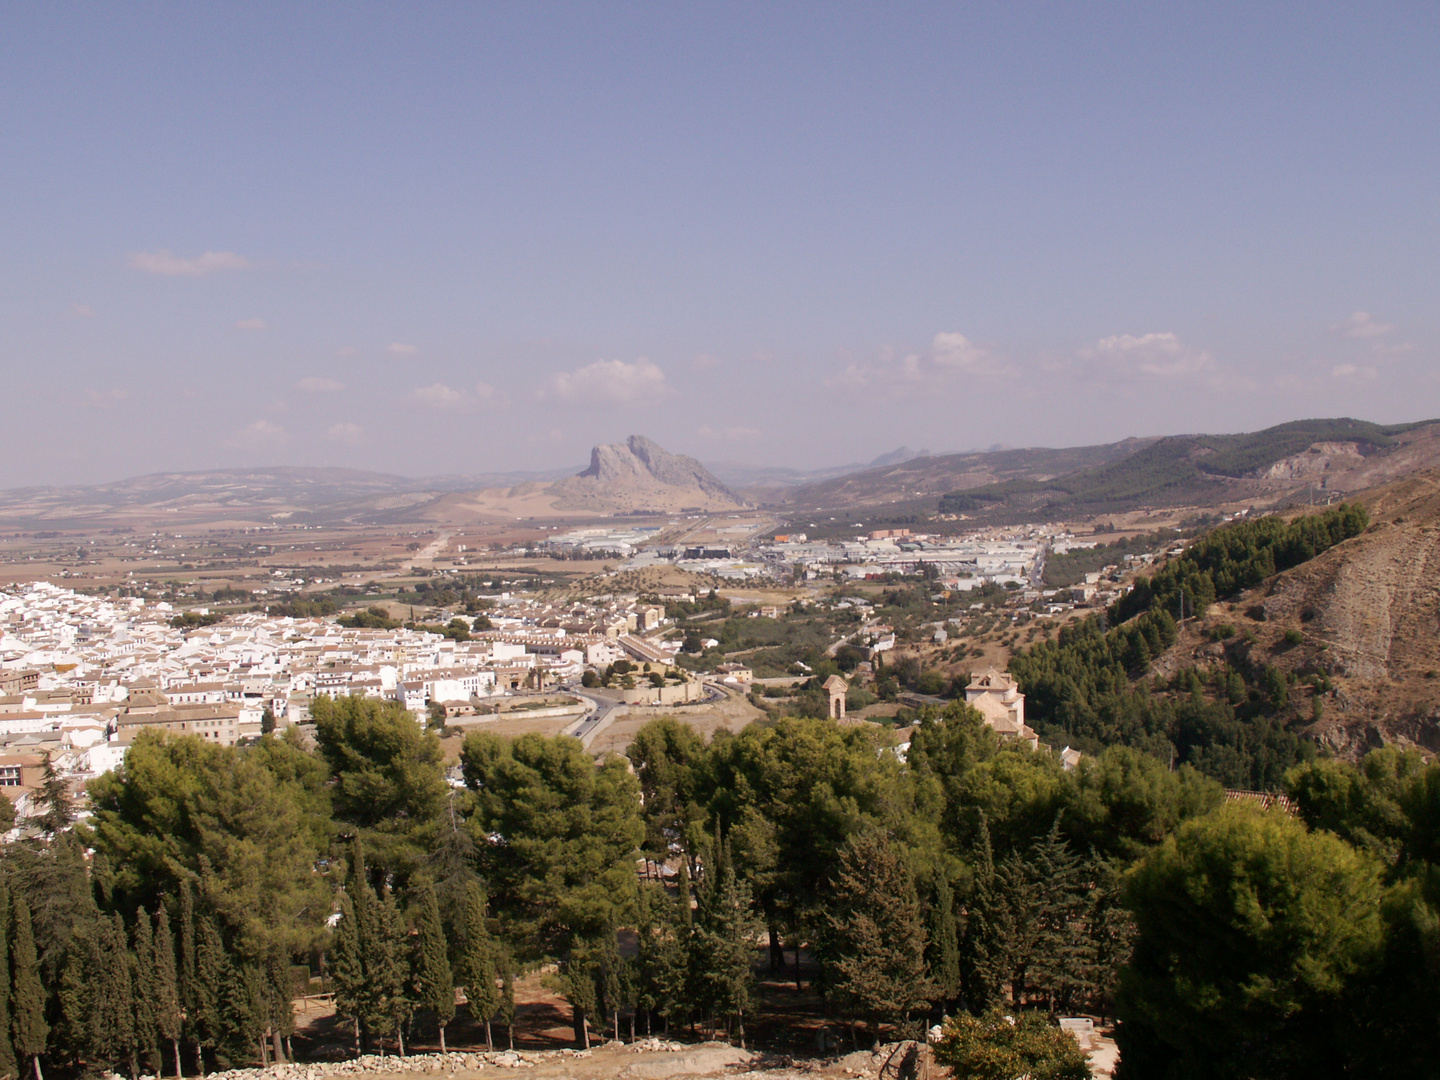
[(507, 1004), (212, 975), (347, 967), (876, 934), (671, 959), (113, 1005), (280, 1015), (434, 985), (168, 1015), (189, 998), (672, 972), (943, 954), (979, 967), (389, 972), (146, 1021), (577, 983), (76, 996), (8, 1065), (243, 1008), (1063, 949), (28, 1004), (609, 979), (683, 898), (721, 954), (476, 963), (648, 956)]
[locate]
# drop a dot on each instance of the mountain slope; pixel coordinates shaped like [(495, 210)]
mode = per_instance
[(1209, 470), (1364, 615), (933, 476)]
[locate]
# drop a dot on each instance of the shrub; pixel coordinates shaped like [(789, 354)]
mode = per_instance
[(1000, 1047)]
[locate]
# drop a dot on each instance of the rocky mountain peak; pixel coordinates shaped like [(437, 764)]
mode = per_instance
[(641, 469)]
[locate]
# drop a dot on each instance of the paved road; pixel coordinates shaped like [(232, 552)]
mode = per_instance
[(603, 712)]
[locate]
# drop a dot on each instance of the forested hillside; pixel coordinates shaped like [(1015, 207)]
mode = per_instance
[(964, 876), (1091, 687)]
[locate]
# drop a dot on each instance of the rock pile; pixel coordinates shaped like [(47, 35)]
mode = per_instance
[(413, 1063)]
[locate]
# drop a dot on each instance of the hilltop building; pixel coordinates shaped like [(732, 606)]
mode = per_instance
[(996, 696)]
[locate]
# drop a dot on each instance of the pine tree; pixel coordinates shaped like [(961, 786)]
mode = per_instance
[(434, 985), (8, 1064), (54, 797), (168, 1016), (943, 953), (28, 1003), (876, 935), (146, 993), (53, 877), (475, 967)]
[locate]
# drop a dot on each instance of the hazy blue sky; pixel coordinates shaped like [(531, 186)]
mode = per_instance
[(433, 238)]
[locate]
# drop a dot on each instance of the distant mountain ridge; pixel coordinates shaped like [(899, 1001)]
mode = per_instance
[(1302, 460), (764, 477), (1323, 455), (1038, 484)]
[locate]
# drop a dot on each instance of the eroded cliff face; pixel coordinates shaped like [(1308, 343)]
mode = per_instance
[(639, 474)]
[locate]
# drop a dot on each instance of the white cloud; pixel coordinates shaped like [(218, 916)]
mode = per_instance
[(854, 377), (733, 434), (956, 352), (399, 348), (1396, 348), (949, 355), (1361, 325), (262, 432), (346, 433), (1353, 371), (1162, 355), (612, 381), (84, 311), (345, 351), (314, 384), (704, 362), (105, 399), (439, 396), (252, 324), (164, 263)]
